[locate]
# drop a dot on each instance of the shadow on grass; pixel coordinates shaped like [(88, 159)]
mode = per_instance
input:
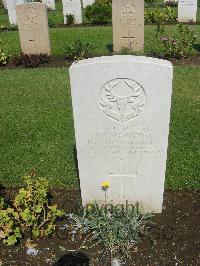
[(2, 190), (197, 47), (76, 160), (109, 47), (73, 259)]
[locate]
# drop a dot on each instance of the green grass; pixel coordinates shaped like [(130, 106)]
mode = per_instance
[(3, 17), (37, 128), (99, 37)]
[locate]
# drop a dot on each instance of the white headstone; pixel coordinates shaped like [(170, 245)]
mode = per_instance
[(50, 4), (187, 10), (121, 107), (4, 4), (11, 4), (87, 3), (72, 7)]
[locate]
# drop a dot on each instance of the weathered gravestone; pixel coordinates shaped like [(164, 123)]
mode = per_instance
[(72, 7), (33, 28), (128, 24), (121, 107), (87, 3), (187, 10), (50, 4), (11, 6)]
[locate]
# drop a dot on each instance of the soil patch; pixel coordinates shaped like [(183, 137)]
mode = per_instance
[(173, 240), (57, 62)]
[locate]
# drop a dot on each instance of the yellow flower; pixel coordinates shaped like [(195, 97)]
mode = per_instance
[(89, 207), (105, 185)]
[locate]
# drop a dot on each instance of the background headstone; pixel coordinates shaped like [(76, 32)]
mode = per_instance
[(187, 10), (50, 4), (33, 28), (128, 24), (87, 3), (121, 107), (11, 6), (4, 4), (72, 7)]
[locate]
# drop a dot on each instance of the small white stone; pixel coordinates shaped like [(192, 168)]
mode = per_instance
[(32, 252), (116, 262)]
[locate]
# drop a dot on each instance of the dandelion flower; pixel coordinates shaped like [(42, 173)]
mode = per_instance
[(105, 185)]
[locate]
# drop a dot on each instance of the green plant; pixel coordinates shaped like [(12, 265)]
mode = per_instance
[(30, 211), (171, 3), (99, 13), (116, 228), (177, 45), (156, 15), (70, 19), (3, 57), (77, 50), (3, 27), (36, 214), (51, 23), (150, 2), (10, 232), (30, 60), (12, 27), (104, 2)]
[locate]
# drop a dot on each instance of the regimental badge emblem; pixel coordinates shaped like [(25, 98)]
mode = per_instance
[(122, 99)]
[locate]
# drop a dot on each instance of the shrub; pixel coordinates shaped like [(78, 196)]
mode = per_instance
[(171, 3), (30, 211), (3, 27), (77, 50), (104, 2), (150, 2), (3, 57), (178, 45), (51, 23), (30, 60), (98, 13), (70, 19), (116, 228), (160, 15), (10, 232)]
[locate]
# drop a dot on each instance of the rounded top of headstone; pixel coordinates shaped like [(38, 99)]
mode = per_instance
[(122, 58)]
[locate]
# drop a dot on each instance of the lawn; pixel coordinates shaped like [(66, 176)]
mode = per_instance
[(99, 37), (36, 113), (37, 128)]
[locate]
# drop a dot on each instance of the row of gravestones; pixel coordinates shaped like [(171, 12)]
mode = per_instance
[(127, 17), (69, 7), (121, 108), (128, 26), (187, 9)]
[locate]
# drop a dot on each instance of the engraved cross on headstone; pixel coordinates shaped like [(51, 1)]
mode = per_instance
[(126, 178), (130, 41)]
